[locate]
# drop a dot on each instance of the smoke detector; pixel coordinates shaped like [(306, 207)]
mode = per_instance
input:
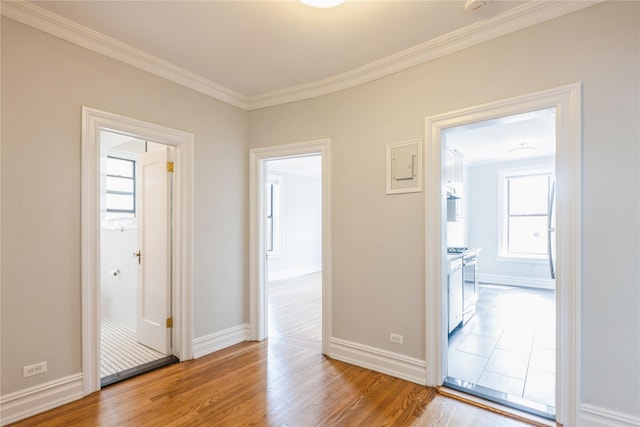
[(474, 5)]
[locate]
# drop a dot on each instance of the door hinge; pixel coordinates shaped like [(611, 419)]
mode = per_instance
[(169, 166), (169, 322)]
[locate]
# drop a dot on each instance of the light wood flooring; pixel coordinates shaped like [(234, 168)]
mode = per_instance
[(282, 381)]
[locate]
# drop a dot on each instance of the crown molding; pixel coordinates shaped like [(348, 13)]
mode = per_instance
[(518, 18), (526, 15), (48, 22)]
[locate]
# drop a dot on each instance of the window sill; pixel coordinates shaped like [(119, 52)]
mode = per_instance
[(275, 255), (523, 260)]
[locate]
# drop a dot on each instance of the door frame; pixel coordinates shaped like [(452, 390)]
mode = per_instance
[(93, 121), (258, 302), (567, 101)]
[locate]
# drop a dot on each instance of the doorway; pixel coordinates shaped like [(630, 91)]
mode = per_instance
[(293, 222), (500, 233), (135, 288), (265, 232), (167, 314), (566, 102)]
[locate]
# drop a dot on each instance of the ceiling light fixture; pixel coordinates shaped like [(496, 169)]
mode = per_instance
[(522, 149), (473, 5), (322, 4)]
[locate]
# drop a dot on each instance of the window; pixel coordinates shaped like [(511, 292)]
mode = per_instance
[(526, 213), (274, 216), (121, 186)]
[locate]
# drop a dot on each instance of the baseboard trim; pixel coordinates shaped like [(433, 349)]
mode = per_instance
[(285, 274), (35, 400), (386, 362), (593, 416), (219, 340), (527, 282)]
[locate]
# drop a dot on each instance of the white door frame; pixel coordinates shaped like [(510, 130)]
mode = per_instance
[(567, 101), (93, 121), (257, 233)]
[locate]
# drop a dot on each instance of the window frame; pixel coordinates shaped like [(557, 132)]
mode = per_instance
[(273, 229), (133, 193), (503, 212)]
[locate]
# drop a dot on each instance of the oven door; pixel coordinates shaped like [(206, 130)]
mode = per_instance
[(470, 287)]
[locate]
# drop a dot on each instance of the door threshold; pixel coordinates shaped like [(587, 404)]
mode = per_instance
[(474, 396), (138, 370)]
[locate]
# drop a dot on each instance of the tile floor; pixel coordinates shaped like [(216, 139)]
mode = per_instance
[(509, 345)]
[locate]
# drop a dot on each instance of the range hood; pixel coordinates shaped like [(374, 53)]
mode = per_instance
[(451, 194)]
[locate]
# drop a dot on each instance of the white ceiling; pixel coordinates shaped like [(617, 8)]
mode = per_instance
[(492, 140), (253, 47), (258, 53)]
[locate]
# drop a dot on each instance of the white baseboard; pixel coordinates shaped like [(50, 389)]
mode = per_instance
[(34, 400), (219, 340), (593, 416), (528, 282), (285, 274), (387, 362)]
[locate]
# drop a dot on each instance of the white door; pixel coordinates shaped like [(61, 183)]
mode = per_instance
[(153, 204)]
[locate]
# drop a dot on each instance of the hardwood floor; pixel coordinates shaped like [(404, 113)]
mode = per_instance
[(295, 307), (282, 381)]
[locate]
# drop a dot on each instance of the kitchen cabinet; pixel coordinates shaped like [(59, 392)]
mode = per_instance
[(453, 172), (455, 190)]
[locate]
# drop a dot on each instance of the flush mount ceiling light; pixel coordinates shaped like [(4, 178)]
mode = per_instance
[(522, 149), (322, 4), (473, 5)]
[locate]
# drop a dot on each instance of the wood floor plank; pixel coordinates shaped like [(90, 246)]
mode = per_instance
[(283, 381), (267, 384)]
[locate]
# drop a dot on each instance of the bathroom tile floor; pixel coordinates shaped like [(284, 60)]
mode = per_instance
[(509, 345)]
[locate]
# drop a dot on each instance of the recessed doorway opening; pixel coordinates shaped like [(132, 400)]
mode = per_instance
[(135, 284), (137, 193), (293, 223), (290, 194), (500, 234), (519, 232)]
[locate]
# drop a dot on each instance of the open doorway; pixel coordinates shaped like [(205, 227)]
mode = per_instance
[(500, 234), (135, 252), (566, 102), (264, 233), (169, 323), (293, 223)]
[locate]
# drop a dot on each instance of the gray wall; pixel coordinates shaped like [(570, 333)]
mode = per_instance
[(45, 83), (378, 250), (378, 240)]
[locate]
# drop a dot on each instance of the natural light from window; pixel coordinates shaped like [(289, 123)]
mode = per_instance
[(526, 212)]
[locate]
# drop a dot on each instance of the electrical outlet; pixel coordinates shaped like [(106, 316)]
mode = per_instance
[(396, 338), (36, 368)]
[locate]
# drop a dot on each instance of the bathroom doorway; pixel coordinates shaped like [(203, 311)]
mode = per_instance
[(135, 253), (162, 258)]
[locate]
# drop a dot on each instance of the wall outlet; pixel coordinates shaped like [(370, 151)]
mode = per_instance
[(36, 368), (396, 338)]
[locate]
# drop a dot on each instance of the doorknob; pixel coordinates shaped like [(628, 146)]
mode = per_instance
[(139, 255)]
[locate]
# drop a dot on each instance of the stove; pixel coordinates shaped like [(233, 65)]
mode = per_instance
[(456, 250)]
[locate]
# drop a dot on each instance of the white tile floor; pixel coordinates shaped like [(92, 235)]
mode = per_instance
[(509, 345)]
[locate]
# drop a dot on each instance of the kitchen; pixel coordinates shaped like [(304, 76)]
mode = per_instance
[(500, 243)]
